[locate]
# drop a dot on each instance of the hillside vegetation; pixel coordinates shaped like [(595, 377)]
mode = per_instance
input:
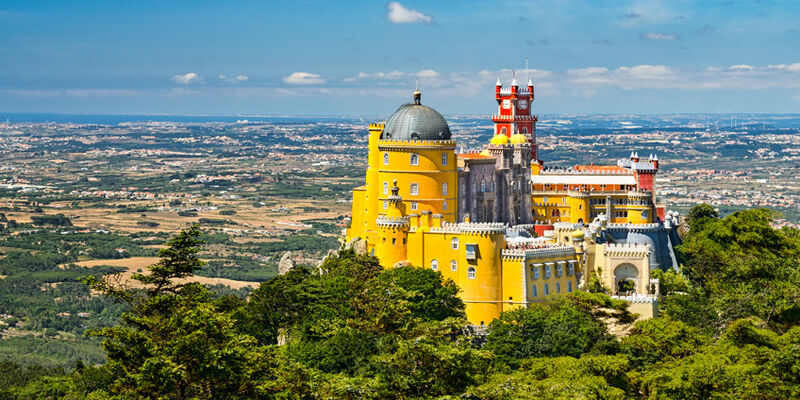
[(730, 328)]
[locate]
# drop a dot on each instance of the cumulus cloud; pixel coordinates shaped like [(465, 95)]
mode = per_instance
[(427, 73), (233, 79), (786, 67), (187, 78), (399, 14), (304, 78), (658, 36)]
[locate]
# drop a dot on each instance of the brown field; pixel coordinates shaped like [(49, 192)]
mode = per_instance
[(134, 263), (247, 216)]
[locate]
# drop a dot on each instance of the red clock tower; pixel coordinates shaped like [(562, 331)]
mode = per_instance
[(514, 112)]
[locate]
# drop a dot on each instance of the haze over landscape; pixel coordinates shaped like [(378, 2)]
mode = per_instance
[(327, 200), (208, 57)]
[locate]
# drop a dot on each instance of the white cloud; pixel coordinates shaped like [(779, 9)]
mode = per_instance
[(658, 36), (427, 74), (382, 75), (399, 14), (786, 67), (186, 79), (741, 67), (222, 76), (304, 78), (242, 78)]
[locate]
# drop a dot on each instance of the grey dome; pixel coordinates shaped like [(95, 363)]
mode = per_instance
[(413, 121)]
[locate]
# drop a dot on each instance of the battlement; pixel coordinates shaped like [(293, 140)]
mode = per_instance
[(488, 228), (640, 227), (394, 142), (627, 250), (570, 171), (561, 226), (638, 298), (517, 117), (542, 252), (377, 125), (390, 222)]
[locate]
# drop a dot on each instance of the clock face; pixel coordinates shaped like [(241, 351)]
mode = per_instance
[(523, 104), (506, 103)]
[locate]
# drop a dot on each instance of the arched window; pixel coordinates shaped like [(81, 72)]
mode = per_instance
[(414, 189), (444, 159), (524, 131), (534, 291), (483, 185), (546, 290), (471, 273), (503, 130), (435, 265), (385, 187), (413, 205), (454, 243), (414, 159), (444, 189), (558, 287), (569, 286), (444, 205), (453, 265), (385, 158)]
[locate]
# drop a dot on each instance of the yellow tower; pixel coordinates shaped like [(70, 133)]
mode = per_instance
[(390, 246)]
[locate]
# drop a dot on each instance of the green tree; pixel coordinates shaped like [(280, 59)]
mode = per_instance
[(174, 343), (563, 326)]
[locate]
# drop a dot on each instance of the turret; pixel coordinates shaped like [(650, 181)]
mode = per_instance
[(514, 87), (655, 161), (497, 87), (530, 89), (635, 157)]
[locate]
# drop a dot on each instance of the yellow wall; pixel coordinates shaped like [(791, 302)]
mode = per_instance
[(573, 206), (429, 175)]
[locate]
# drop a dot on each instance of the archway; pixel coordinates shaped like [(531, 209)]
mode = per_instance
[(626, 279)]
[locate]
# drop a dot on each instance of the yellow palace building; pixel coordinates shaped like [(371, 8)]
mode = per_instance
[(473, 218)]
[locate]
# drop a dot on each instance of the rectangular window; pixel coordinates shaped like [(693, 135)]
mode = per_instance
[(471, 251), (444, 205), (444, 159), (571, 268), (385, 205), (414, 159), (413, 205), (534, 291), (536, 269), (547, 270), (414, 189)]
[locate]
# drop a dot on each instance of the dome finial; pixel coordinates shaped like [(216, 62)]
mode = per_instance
[(417, 94)]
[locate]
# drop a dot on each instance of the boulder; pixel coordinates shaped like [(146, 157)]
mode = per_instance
[(286, 263)]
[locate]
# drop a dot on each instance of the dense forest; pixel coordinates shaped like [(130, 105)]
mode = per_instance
[(729, 328)]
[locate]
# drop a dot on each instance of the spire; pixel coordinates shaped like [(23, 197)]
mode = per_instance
[(530, 82), (498, 82), (417, 94)]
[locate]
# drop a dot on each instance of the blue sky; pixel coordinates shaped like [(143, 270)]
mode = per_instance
[(363, 57)]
